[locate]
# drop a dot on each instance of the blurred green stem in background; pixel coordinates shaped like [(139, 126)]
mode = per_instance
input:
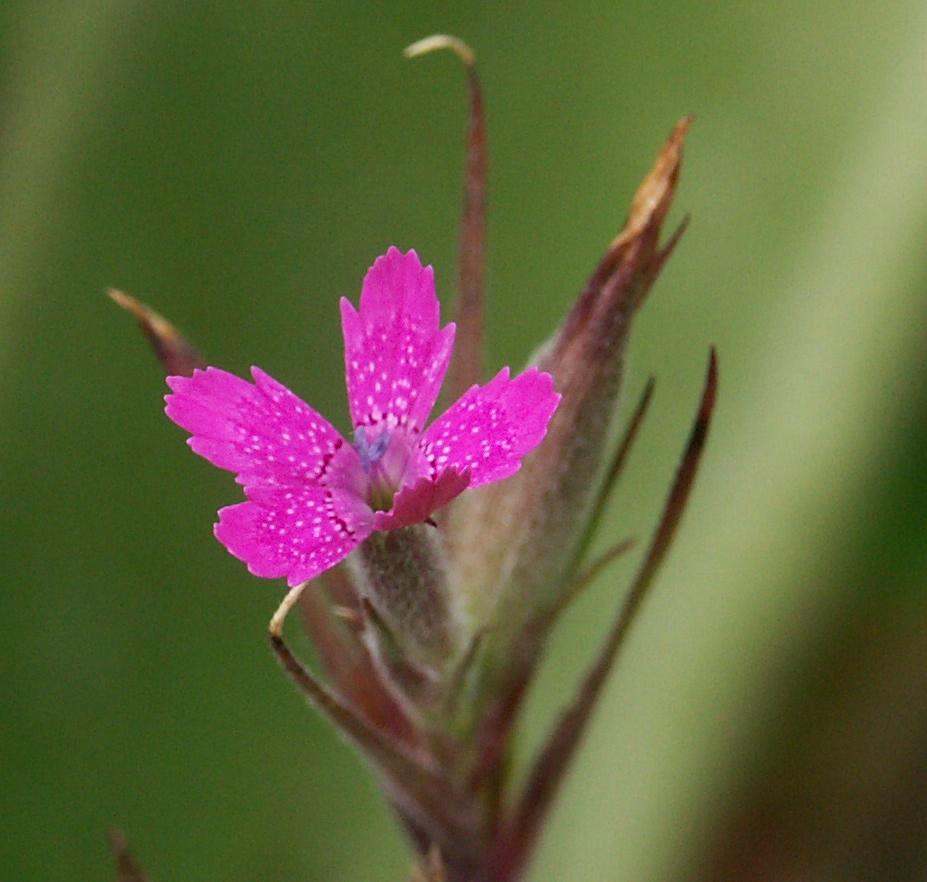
[(60, 64), (840, 364)]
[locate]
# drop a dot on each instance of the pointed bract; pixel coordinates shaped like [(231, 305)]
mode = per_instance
[(466, 368), (552, 762), (175, 353)]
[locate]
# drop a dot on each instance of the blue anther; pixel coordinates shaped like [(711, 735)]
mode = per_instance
[(370, 454)]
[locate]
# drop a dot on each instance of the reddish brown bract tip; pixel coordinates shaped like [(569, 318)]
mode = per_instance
[(176, 355), (633, 260), (653, 197)]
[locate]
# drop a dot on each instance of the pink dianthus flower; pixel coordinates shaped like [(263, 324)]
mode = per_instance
[(313, 496)]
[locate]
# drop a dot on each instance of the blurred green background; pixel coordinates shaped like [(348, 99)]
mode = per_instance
[(238, 166)]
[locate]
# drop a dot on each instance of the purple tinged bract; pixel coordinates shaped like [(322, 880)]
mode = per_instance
[(313, 496)]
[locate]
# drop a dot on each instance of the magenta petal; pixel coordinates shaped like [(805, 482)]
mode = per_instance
[(395, 352), (263, 431), (491, 428), (296, 533), (414, 503)]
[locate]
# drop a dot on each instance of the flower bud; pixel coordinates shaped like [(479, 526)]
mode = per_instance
[(514, 544)]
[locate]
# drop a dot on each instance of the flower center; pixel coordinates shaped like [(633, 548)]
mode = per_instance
[(384, 458)]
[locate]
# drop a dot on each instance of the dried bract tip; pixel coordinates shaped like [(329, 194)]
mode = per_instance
[(289, 601), (634, 258), (441, 41), (176, 355), (652, 199)]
